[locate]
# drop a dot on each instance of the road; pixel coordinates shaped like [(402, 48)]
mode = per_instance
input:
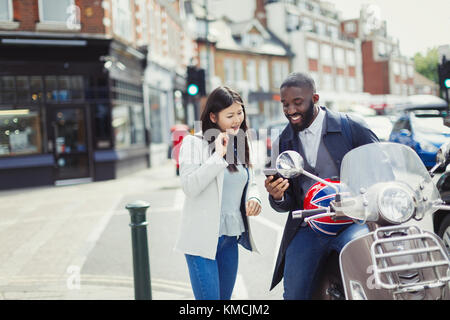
[(74, 242), (168, 267)]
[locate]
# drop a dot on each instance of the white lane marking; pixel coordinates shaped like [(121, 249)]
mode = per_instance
[(278, 231), (240, 290)]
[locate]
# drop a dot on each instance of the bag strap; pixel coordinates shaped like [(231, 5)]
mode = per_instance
[(346, 129)]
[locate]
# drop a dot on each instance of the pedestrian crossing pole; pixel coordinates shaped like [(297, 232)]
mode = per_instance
[(141, 264)]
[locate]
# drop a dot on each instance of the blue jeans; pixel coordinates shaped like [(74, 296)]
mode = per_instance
[(214, 279), (304, 255)]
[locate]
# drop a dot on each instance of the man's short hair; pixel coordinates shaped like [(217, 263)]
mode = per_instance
[(299, 80)]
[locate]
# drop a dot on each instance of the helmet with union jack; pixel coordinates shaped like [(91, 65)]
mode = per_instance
[(320, 196)]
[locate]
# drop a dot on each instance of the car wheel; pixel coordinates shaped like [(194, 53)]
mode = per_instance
[(444, 232)]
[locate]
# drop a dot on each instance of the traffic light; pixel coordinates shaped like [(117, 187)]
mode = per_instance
[(444, 77), (444, 74), (196, 85)]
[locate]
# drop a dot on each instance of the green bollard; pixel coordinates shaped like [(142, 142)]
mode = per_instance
[(141, 265)]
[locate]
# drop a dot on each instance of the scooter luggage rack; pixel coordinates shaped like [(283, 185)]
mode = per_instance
[(422, 256)]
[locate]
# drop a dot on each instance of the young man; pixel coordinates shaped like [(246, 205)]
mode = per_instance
[(322, 137)]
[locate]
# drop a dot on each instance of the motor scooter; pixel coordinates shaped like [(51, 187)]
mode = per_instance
[(382, 185), (441, 219)]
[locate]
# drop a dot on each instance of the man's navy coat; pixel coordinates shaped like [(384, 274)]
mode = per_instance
[(337, 144)]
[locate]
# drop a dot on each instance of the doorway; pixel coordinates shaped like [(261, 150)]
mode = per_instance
[(70, 145)]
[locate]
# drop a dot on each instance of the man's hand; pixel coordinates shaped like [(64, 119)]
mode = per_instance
[(276, 188)]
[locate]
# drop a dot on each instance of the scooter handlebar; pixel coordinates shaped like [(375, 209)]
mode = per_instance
[(299, 214)]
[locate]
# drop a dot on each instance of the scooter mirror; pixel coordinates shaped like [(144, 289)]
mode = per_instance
[(289, 164), (443, 154)]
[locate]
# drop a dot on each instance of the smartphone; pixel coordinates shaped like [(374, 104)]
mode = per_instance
[(272, 172)]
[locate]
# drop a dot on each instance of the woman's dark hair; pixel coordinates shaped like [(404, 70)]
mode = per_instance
[(219, 99)]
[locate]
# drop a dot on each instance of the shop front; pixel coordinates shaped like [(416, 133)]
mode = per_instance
[(68, 112)]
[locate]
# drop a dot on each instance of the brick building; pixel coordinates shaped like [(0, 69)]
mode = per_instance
[(71, 91), (385, 70), (312, 29)]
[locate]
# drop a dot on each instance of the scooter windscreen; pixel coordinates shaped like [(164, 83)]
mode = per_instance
[(388, 181)]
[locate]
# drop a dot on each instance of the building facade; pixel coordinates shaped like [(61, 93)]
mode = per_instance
[(312, 28), (171, 48), (246, 56), (71, 97), (254, 61), (386, 71)]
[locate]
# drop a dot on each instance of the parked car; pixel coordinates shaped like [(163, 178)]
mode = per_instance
[(273, 131), (421, 126)]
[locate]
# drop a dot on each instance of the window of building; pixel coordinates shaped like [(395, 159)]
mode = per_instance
[(128, 125), (55, 10), (350, 27), (238, 70), (340, 83), (32, 89), (339, 57), (252, 40), (128, 114), (410, 71), (332, 31), (122, 18), (229, 71), (312, 49), (326, 54), (396, 68), (6, 10), (156, 100), (276, 75), (382, 50), (320, 27), (315, 77), (263, 75), (351, 58), (351, 84), (306, 24), (251, 75), (20, 132), (327, 82), (292, 22)]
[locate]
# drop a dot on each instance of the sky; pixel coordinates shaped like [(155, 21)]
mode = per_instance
[(418, 24)]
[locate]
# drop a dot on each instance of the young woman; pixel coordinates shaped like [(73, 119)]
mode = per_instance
[(218, 180)]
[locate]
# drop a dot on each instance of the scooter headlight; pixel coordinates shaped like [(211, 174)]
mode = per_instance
[(396, 204)]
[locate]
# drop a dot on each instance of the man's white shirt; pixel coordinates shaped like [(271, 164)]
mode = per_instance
[(310, 138)]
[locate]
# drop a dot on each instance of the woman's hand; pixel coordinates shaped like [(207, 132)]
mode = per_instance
[(221, 143), (252, 208)]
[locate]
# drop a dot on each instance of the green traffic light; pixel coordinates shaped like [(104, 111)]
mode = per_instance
[(192, 89), (447, 83)]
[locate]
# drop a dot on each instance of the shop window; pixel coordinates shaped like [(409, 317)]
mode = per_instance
[(23, 89), (51, 88), (121, 126), (20, 132), (54, 10), (37, 88), (64, 88), (128, 125), (155, 116), (7, 90), (137, 124)]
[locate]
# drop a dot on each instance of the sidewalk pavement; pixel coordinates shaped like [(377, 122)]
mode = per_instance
[(47, 233)]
